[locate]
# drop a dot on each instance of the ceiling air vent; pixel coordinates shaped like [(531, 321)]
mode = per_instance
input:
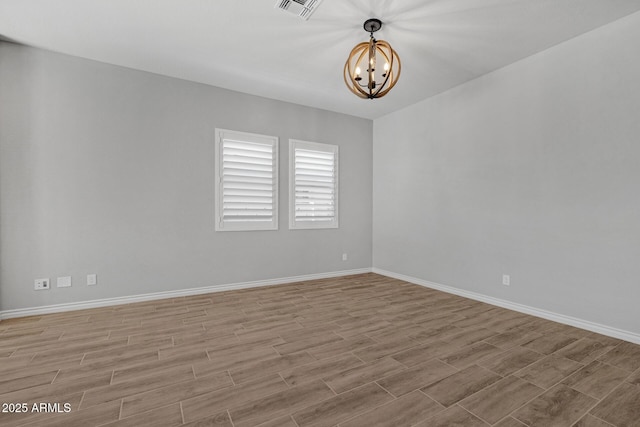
[(302, 8)]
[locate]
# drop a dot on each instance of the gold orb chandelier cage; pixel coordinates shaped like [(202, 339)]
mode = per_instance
[(362, 75)]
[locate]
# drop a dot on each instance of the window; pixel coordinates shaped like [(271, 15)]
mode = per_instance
[(246, 181), (313, 185)]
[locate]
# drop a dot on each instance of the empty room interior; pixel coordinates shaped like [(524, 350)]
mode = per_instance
[(306, 213)]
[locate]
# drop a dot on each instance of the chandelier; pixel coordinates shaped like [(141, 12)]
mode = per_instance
[(360, 71)]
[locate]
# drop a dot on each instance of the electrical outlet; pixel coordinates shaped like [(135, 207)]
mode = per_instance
[(506, 280), (344, 257), (41, 284), (92, 279), (64, 282)]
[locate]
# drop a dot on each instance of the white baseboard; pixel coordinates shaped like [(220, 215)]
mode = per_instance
[(560, 318), (34, 311)]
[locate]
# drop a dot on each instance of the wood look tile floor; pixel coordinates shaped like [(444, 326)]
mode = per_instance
[(355, 351)]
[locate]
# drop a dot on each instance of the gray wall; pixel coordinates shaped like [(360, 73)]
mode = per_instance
[(532, 171), (107, 170)]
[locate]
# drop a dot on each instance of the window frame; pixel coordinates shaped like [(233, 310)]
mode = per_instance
[(321, 147), (220, 225)]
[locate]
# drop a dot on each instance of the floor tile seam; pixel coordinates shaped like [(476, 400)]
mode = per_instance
[(611, 392), (316, 361), (33, 348), (104, 359), (560, 382), (263, 374), (121, 407), (540, 394), (294, 421), (525, 367), (181, 412), (483, 358), (466, 397), (364, 411), (418, 344), (509, 416), (229, 409), (448, 364), (473, 413), (289, 386), (377, 379), (55, 376), (425, 393), (23, 389), (519, 345), (598, 399), (411, 366), (374, 408), (330, 388), (435, 400), (76, 377), (124, 396), (38, 352), (498, 373), (600, 419), (346, 338), (81, 351), (592, 407), (391, 394), (171, 402), (618, 367), (543, 391), (360, 359), (636, 372), (81, 399), (584, 361), (228, 371)]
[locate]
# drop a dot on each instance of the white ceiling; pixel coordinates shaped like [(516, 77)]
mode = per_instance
[(249, 46)]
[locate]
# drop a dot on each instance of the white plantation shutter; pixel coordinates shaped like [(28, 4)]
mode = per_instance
[(247, 187), (313, 185)]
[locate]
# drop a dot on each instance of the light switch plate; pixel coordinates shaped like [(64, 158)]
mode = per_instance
[(64, 282), (92, 279)]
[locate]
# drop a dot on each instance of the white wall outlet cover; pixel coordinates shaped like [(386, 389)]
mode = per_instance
[(41, 284), (344, 257), (92, 279), (506, 280), (64, 282)]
